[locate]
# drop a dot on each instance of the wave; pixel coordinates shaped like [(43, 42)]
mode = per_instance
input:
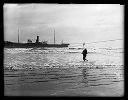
[(61, 50)]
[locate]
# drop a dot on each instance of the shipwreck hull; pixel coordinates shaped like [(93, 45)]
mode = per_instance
[(32, 45)]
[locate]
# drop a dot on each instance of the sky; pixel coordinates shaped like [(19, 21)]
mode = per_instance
[(73, 23)]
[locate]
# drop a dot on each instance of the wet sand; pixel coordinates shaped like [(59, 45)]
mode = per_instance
[(107, 81)]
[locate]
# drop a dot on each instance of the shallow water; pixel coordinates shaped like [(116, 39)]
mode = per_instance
[(61, 72)]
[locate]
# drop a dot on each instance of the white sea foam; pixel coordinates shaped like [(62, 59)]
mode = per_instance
[(60, 57)]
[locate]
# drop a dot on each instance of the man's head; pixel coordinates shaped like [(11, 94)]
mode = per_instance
[(84, 45)]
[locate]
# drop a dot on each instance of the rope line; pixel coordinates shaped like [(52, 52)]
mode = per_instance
[(98, 41)]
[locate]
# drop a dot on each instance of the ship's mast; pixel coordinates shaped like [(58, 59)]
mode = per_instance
[(18, 35), (54, 36)]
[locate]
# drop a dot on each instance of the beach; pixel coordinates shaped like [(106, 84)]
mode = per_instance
[(62, 72)]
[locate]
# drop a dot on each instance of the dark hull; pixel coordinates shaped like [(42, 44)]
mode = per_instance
[(32, 45)]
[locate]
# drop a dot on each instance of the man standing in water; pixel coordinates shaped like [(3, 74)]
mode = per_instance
[(84, 53)]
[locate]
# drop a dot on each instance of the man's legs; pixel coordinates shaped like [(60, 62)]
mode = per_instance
[(84, 57)]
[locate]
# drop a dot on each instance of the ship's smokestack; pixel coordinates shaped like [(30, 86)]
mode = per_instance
[(37, 40)]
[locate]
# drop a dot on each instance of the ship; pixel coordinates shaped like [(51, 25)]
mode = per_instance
[(30, 44)]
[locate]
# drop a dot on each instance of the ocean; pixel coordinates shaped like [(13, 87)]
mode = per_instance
[(62, 72)]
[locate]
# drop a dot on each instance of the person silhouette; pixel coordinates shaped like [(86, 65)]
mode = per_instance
[(84, 54)]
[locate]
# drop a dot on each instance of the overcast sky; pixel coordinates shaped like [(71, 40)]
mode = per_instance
[(73, 23)]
